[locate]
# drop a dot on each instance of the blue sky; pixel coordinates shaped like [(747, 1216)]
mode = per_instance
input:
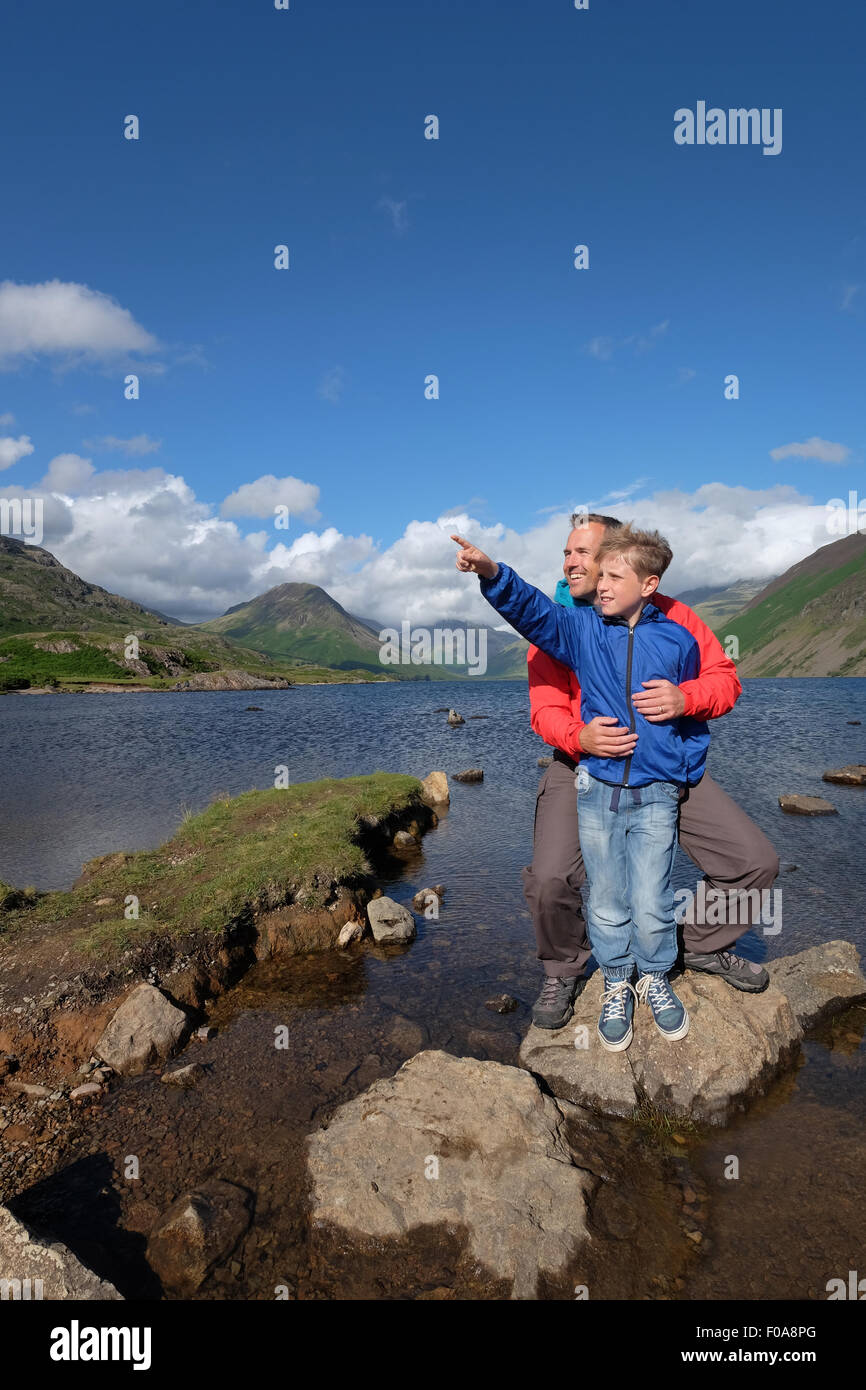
[(412, 256)]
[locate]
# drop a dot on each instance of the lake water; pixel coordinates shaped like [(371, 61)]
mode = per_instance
[(87, 774)]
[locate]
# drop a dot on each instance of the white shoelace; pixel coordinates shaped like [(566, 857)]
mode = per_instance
[(656, 991), (613, 999)]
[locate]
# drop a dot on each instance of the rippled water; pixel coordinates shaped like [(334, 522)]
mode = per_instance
[(83, 775)]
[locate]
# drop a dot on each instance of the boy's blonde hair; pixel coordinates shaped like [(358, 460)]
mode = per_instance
[(646, 552)]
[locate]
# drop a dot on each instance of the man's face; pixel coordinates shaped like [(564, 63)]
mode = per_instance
[(580, 566)]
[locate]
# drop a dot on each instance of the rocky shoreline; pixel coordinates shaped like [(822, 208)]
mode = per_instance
[(446, 1177)]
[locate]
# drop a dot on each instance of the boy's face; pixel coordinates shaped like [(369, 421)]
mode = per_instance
[(621, 591)]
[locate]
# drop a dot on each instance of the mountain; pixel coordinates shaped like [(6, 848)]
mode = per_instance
[(717, 605), (300, 622), (811, 621), (37, 592), (57, 627)]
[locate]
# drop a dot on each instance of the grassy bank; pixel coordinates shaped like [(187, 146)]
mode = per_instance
[(241, 855)]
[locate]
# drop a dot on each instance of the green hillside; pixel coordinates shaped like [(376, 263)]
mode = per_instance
[(811, 621), (57, 628), (300, 622)]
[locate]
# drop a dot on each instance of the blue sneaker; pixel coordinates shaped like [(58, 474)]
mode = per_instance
[(669, 1012), (617, 1008)]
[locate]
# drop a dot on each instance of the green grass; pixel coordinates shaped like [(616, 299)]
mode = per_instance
[(760, 625), (87, 662), (260, 848)]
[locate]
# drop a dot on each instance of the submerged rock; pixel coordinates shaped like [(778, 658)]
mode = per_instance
[(198, 1231), (797, 805), (26, 1258), (390, 921), (736, 1045), (184, 1077), (472, 774), (147, 1028), (455, 718), (454, 1141)]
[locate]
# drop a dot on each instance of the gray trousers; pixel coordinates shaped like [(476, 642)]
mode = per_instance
[(727, 846)]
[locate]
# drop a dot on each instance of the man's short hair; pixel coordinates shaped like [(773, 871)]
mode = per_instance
[(610, 523), (646, 551)]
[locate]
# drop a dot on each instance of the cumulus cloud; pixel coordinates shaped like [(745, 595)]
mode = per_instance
[(11, 450), (65, 319), (144, 533), (262, 497), (814, 448)]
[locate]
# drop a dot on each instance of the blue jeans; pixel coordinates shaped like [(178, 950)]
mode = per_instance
[(629, 856)]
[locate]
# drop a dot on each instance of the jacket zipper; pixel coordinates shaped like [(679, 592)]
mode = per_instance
[(631, 723)]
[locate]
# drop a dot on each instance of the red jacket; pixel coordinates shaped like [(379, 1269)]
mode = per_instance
[(554, 690)]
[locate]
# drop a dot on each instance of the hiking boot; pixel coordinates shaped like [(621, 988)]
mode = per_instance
[(555, 1004), (617, 1009), (668, 1011), (734, 970)]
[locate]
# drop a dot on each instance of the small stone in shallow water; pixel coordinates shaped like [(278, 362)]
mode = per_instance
[(502, 1004), (205, 1033), (184, 1076), (797, 805), (472, 774)]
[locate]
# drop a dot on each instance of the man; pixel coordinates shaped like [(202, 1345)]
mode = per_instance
[(731, 851)]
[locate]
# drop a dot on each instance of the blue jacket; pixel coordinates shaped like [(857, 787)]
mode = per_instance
[(611, 660)]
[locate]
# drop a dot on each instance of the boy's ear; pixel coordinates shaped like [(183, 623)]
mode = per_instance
[(649, 585)]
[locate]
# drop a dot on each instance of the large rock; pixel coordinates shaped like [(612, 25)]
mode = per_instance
[(854, 775), (390, 921), (820, 981), (434, 789), (505, 1171), (147, 1028), (25, 1256), (198, 1231), (736, 1045)]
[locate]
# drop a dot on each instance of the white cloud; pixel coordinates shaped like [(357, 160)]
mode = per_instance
[(7, 420), (11, 450), (603, 347), (814, 448), (848, 293), (332, 385), (262, 497), (398, 211), (60, 318), (136, 445), (143, 533)]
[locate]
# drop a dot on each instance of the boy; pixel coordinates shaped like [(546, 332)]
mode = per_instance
[(627, 806)]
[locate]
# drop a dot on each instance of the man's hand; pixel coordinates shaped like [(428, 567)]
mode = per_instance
[(659, 700), (603, 737), (471, 558)]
